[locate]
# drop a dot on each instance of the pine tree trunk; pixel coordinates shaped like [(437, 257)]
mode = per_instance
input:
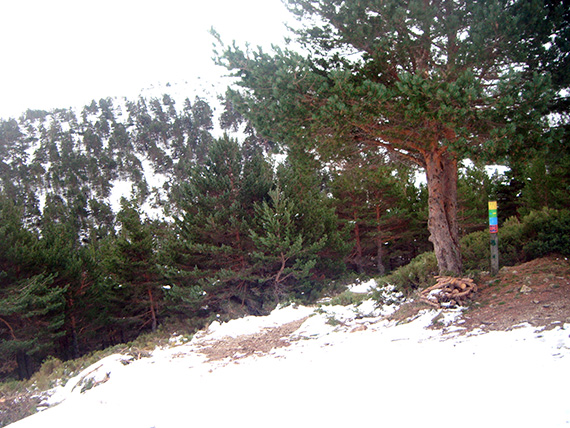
[(380, 251), (25, 365), (152, 310), (358, 258), (441, 171), (73, 328), (74, 338)]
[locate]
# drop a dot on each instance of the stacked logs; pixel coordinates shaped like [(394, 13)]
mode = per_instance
[(448, 291)]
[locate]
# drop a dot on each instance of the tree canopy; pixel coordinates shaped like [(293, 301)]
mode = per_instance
[(432, 82)]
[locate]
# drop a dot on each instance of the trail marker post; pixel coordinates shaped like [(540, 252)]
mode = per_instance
[(494, 231)]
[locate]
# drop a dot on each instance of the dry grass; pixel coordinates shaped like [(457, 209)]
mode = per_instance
[(16, 402), (409, 309)]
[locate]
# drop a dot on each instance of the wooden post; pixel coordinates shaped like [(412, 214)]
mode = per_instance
[(494, 231)]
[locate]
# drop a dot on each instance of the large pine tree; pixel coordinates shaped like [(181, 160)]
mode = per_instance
[(431, 81)]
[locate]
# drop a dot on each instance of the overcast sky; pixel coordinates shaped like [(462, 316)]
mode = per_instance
[(64, 53)]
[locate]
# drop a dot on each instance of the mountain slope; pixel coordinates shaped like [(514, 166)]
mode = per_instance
[(329, 366)]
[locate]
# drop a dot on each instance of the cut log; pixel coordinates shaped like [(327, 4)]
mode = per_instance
[(448, 291)]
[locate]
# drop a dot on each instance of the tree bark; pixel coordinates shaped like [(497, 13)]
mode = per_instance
[(73, 329), (380, 251), (152, 310), (74, 338), (25, 365), (441, 172), (358, 257)]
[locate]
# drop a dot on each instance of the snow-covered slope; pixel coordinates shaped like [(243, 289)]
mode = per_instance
[(330, 366)]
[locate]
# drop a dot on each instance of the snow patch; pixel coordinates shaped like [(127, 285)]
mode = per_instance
[(363, 287), (251, 324)]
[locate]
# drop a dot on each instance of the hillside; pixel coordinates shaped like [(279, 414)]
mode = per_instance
[(183, 257), (502, 361), (536, 292)]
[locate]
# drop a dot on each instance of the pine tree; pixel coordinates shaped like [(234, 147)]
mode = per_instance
[(475, 188), (192, 136), (132, 264), (64, 250), (282, 256), (370, 197), (212, 253), (32, 309), (430, 81)]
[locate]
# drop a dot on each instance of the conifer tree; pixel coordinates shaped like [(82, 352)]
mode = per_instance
[(132, 264), (304, 181), (475, 188), (32, 309), (430, 81), (65, 251), (370, 196), (211, 254), (282, 257), (33, 312), (192, 136)]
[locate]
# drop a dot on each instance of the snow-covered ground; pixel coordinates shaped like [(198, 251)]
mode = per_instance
[(345, 366)]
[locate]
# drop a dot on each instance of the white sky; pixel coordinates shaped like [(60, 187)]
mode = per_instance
[(63, 53)]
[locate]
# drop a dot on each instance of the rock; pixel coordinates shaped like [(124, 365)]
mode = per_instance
[(525, 289)]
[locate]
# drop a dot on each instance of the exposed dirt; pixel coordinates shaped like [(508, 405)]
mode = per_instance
[(248, 344), (537, 292), (16, 405)]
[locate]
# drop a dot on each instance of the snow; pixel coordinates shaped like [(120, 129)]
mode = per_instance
[(345, 366), (250, 325), (363, 287)]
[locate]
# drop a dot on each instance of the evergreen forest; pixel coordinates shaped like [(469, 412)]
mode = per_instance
[(359, 157)]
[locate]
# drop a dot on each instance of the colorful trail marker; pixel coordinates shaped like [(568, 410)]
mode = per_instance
[(494, 231)]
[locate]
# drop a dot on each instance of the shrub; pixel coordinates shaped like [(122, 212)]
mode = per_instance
[(347, 298), (418, 273), (475, 247), (537, 234), (548, 231), (475, 250), (17, 401), (511, 242)]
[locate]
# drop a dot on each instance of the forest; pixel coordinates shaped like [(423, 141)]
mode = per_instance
[(364, 155)]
